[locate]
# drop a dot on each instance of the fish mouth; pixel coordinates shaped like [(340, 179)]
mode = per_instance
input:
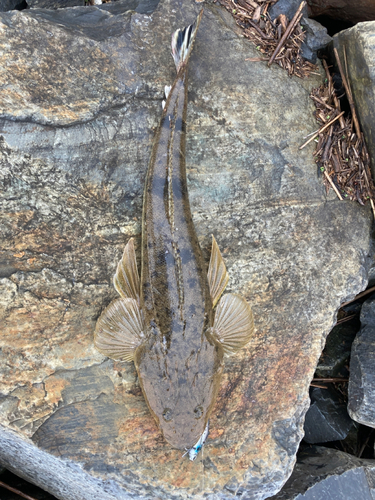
[(182, 445), (184, 440)]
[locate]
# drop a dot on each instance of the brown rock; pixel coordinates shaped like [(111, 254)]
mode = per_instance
[(82, 97)]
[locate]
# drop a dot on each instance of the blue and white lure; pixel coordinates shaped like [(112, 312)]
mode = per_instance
[(193, 452)]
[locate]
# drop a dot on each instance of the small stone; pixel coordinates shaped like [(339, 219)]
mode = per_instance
[(361, 391), (316, 39), (327, 418)]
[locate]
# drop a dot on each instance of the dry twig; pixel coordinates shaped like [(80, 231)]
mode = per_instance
[(322, 129), (360, 295), (341, 153), (345, 319), (296, 18), (330, 379), (348, 94), (278, 41), (14, 490), (333, 186)]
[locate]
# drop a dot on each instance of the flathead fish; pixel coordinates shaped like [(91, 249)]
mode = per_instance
[(173, 322)]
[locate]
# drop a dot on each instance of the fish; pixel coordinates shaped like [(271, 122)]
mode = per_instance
[(173, 320)]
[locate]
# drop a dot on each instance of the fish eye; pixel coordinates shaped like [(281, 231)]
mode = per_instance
[(167, 414), (198, 412)]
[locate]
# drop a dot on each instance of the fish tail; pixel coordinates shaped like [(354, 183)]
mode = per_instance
[(182, 42)]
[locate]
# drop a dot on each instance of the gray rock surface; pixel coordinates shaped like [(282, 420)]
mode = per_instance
[(327, 418), (81, 93), (323, 473), (359, 45), (361, 391)]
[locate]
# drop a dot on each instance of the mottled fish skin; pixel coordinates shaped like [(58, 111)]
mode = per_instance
[(180, 365)]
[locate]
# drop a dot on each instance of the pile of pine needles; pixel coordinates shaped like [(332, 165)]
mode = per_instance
[(341, 153), (278, 41)]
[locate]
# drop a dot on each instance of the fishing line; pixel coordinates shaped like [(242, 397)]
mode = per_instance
[(202, 471)]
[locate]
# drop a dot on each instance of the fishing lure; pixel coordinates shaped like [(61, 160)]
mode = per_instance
[(193, 452), (166, 321)]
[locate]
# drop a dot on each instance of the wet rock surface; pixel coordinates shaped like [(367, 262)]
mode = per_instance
[(322, 473), (327, 418), (359, 46), (78, 115), (361, 405)]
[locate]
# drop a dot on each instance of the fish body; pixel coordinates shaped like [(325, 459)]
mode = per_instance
[(165, 322), (180, 364)]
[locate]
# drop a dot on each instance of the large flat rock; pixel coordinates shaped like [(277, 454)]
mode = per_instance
[(81, 93)]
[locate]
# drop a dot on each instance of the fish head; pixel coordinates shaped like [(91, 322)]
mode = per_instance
[(180, 389)]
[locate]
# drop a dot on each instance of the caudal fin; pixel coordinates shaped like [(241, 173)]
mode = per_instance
[(182, 42)]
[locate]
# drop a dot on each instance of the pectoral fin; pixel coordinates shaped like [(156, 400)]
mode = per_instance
[(126, 279), (234, 323), (119, 330), (217, 273)]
